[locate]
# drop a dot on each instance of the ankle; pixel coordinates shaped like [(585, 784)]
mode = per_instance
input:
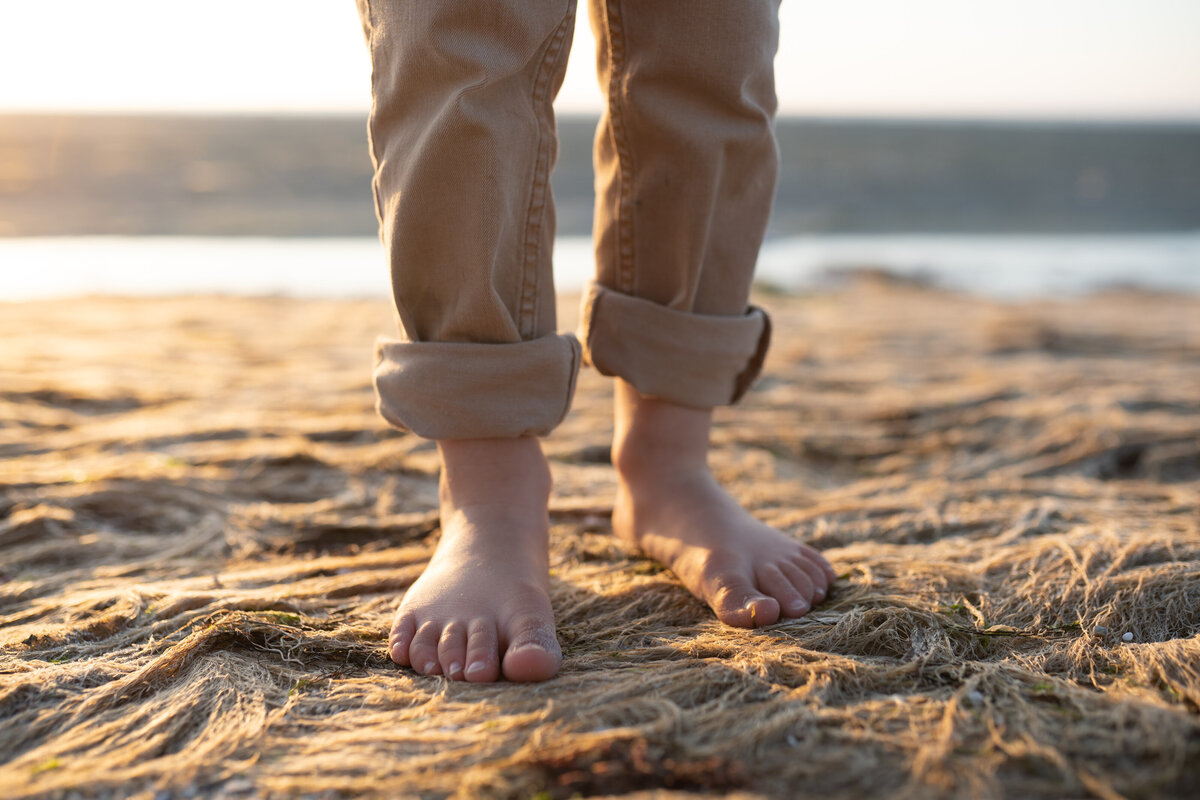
[(644, 457), (652, 436), (512, 472)]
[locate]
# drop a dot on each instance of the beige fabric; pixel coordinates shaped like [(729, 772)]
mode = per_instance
[(436, 386), (463, 139), (691, 359)]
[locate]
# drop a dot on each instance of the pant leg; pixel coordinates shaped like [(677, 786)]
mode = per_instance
[(686, 166), (463, 139)]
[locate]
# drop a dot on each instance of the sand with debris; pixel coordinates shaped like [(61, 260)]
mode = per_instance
[(204, 529)]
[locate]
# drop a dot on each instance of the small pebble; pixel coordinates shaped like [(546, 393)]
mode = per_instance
[(1128, 637), (976, 697), (1100, 630)]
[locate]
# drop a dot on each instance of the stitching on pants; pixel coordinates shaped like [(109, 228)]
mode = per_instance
[(535, 214), (620, 139)]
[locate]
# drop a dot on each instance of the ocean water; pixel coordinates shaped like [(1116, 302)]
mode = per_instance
[(1003, 266)]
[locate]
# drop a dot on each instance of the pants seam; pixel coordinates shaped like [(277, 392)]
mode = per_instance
[(620, 139), (536, 210), (372, 143)]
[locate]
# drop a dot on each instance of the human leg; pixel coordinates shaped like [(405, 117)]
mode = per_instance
[(462, 137), (686, 168)]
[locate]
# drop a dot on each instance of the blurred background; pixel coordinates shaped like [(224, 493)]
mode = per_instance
[(1015, 149)]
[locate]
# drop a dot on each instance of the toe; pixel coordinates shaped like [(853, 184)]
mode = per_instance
[(813, 555), (792, 592), (403, 630), (483, 652), (532, 653), (813, 575), (452, 650), (423, 652), (737, 602)]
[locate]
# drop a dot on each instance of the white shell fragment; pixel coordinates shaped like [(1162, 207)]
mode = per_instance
[(1127, 637)]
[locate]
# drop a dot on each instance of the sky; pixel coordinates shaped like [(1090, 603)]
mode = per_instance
[(1059, 59)]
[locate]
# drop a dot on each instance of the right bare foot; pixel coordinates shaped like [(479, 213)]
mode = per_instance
[(481, 608)]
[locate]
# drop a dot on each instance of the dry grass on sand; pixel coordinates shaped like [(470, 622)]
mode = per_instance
[(204, 530)]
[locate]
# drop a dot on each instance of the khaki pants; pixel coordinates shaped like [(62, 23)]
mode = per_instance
[(463, 139)]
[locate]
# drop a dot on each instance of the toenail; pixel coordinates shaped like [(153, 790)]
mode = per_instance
[(429, 667), (476, 666), (455, 668)]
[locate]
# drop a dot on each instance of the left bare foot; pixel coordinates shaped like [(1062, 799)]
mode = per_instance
[(671, 508)]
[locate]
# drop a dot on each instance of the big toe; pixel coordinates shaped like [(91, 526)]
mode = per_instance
[(738, 603), (533, 653)]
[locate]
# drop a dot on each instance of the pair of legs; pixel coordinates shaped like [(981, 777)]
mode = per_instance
[(462, 135)]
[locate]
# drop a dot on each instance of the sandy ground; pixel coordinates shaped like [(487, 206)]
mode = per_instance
[(204, 529)]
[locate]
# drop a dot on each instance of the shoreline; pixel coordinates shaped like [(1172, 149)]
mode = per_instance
[(1011, 267)]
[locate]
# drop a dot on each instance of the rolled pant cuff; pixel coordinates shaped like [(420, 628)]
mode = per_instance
[(462, 390), (698, 360)]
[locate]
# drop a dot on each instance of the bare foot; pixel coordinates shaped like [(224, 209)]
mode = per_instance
[(481, 608), (671, 508)]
